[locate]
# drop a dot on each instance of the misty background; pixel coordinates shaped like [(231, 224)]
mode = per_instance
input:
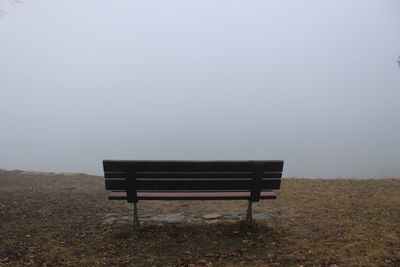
[(314, 83)]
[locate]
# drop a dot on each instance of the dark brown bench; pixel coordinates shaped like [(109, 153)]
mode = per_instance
[(192, 180)]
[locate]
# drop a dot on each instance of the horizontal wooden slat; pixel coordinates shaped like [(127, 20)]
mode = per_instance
[(190, 166), (192, 175), (114, 175), (193, 184), (191, 195)]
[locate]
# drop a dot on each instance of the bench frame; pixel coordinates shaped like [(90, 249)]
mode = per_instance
[(151, 180)]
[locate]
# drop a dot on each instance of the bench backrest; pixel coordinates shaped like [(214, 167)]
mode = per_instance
[(134, 176)]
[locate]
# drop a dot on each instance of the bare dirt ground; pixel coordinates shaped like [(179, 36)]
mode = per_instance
[(54, 220)]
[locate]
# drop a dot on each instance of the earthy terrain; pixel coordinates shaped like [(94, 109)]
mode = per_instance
[(59, 219)]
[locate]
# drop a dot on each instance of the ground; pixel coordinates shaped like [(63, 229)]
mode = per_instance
[(51, 219)]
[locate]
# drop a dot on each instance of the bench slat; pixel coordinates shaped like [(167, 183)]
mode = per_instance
[(192, 184), (191, 195), (193, 175), (190, 166)]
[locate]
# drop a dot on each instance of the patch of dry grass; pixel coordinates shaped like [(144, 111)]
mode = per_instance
[(55, 220)]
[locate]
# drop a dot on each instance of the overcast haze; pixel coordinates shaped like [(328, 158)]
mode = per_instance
[(314, 83)]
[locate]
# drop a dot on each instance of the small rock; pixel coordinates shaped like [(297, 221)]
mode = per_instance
[(232, 217), (212, 216), (147, 215), (110, 220), (170, 218), (108, 215)]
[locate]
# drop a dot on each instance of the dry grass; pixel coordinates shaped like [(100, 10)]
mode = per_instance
[(55, 220)]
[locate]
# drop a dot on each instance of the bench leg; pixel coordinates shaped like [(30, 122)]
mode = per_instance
[(249, 214), (136, 223)]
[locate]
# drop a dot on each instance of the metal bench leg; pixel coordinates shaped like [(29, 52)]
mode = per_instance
[(249, 214), (136, 223)]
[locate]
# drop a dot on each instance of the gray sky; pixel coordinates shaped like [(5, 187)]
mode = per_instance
[(314, 83)]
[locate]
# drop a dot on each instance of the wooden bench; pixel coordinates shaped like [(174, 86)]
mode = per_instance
[(192, 180)]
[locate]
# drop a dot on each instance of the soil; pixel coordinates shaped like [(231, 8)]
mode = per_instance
[(49, 219)]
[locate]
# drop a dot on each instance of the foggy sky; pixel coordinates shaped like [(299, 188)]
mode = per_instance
[(314, 83)]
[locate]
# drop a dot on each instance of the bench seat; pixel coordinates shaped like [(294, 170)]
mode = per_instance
[(121, 195)]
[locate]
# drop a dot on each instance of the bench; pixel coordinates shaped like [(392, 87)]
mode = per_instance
[(192, 180)]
